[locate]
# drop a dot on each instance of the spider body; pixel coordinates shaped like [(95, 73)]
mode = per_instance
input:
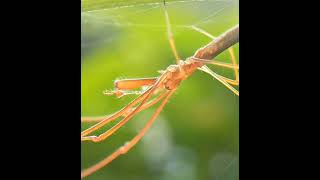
[(178, 72)]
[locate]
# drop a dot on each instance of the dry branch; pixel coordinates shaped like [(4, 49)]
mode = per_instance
[(218, 45)]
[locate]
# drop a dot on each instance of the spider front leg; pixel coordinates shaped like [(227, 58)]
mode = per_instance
[(221, 64), (219, 78), (231, 52), (225, 81)]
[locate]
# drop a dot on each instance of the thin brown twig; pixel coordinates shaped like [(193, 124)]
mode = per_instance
[(218, 45)]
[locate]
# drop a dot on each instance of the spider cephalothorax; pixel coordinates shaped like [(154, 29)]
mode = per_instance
[(179, 72)]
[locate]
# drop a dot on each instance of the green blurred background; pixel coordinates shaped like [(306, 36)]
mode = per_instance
[(196, 135)]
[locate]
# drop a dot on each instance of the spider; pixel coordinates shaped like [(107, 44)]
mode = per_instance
[(162, 87)]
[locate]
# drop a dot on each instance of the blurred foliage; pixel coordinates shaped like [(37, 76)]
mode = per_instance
[(196, 135)]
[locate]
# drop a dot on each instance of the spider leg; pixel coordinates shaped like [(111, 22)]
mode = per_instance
[(145, 106), (232, 55), (109, 118), (170, 34), (234, 61), (219, 78), (149, 103), (227, 65), (122, 87), (215, 62), (126, 147), (127, 118), (120, 93)]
